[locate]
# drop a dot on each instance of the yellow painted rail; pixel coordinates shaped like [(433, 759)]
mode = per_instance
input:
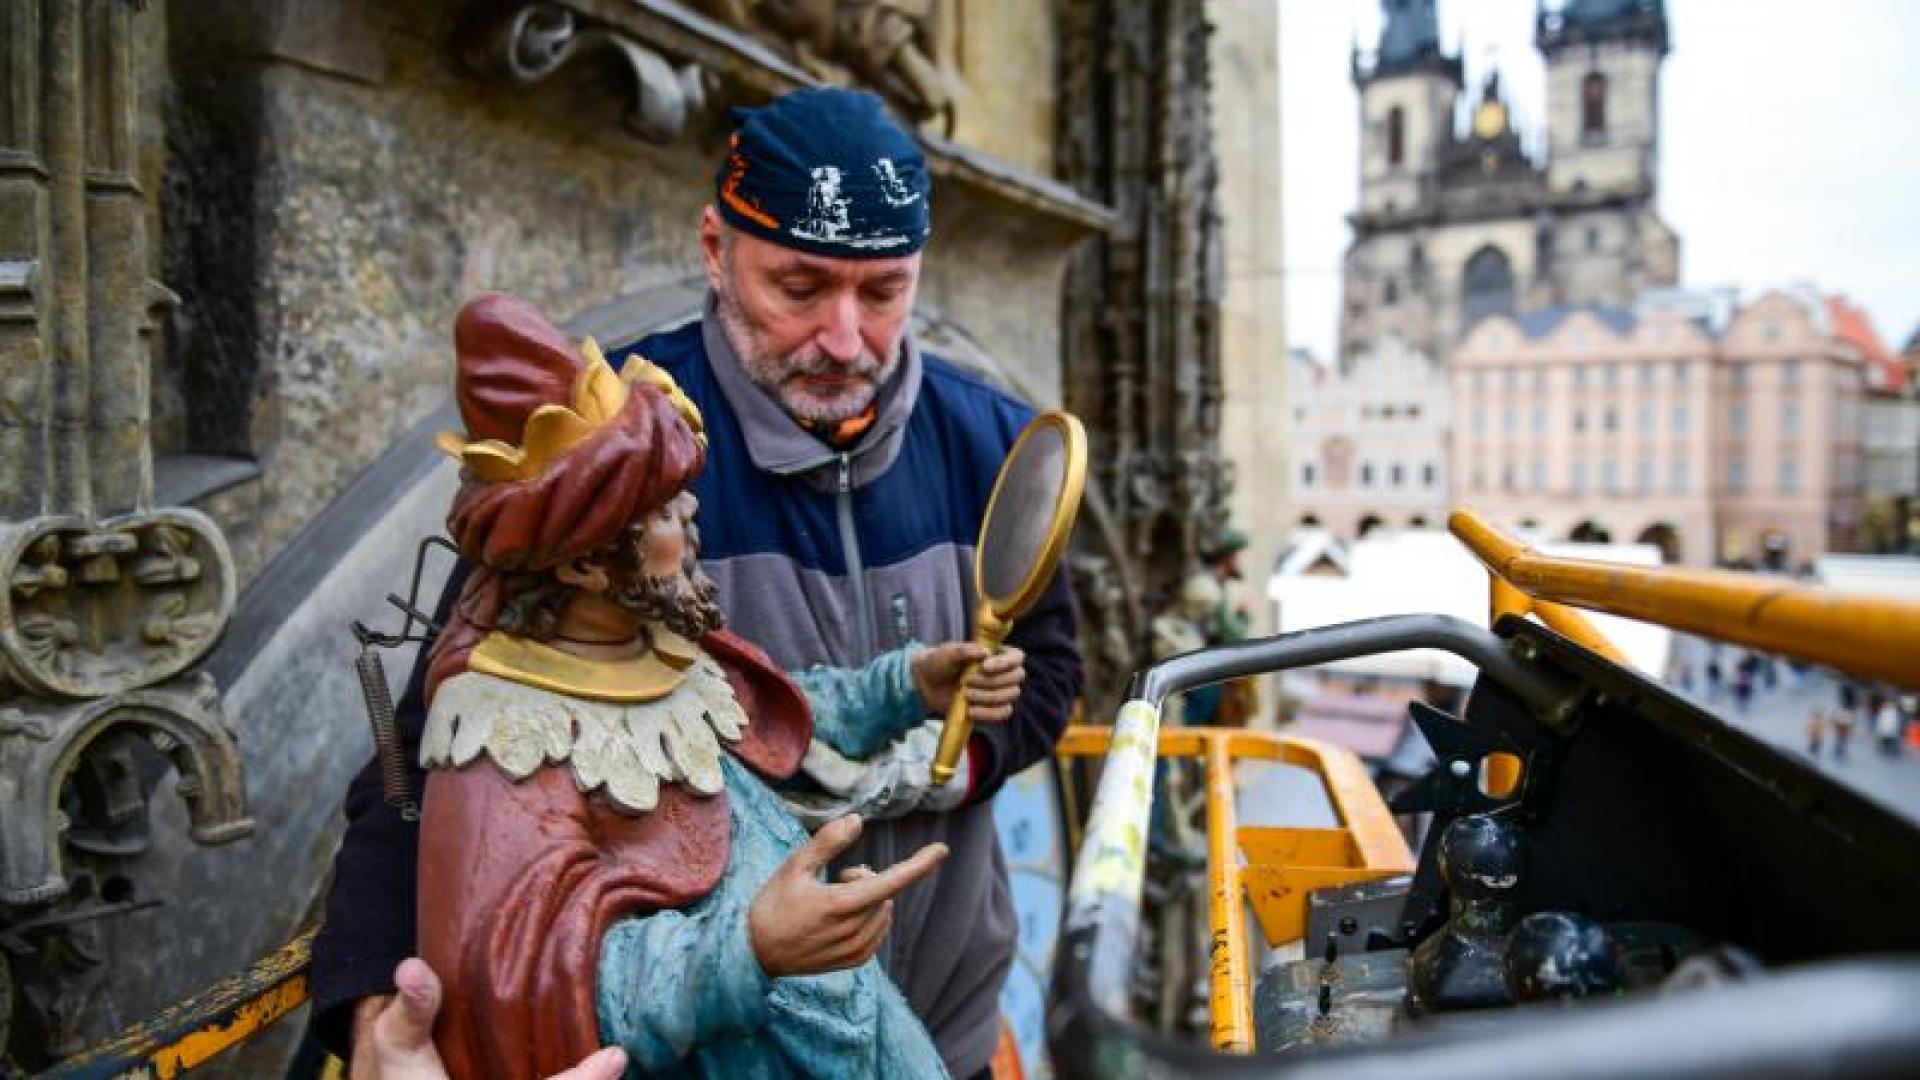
[(1865, 636), (1281, 864)]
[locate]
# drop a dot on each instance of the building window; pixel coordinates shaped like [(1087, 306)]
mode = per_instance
[(1646, 373), (1593, 104), (1366, 474), (1607, 477), (1539, 476), (1479, 379), (1509, 420), (1790, 373), (1387, 412), (1390, 292), (1737, 376), (1677, 480), (1610, 419), (1486, 286), (1396, 137), (1413, 412), (1579, 419), (1790, 420), (1643, 476), (1479, 479), (1396, 475), (1510, 380), (1506, 478), (1539, 419), (1579, 376), (1679, 373), (1646, 419), (1578, 478), (1679, 419), (1539, 381), (1593, 238), (1789, 475), (1610, 375), (1479, 421), (1306, 474), (1429, 475), (1737, 419), (1736, 474)]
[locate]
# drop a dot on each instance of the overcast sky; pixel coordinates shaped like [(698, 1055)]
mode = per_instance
[(1789, 142)]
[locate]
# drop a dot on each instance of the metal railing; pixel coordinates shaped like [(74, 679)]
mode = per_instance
[(1866, 636)]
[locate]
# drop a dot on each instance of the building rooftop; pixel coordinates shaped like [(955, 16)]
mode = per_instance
[(1854, 326), (1539, 324)]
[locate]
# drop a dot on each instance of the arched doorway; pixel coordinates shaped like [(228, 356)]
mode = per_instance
[(1309, 521), (1368, 524), (1590, 532), (1486, 286), (1663, 535), (1417, 521)]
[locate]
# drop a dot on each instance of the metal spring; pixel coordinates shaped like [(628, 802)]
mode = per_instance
[(386, 735)]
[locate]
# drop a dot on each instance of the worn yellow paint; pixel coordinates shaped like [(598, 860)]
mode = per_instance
[(1287, 863), (1508, 600), (201, 1046), (1870, 637)]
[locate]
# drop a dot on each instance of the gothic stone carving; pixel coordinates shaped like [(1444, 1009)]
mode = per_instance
[(680, 56), (91, 610)]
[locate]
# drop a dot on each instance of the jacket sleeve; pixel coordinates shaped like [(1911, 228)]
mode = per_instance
[(369, 923), (1054, 678), (672, 981)]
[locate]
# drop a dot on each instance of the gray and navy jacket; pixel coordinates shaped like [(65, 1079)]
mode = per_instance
[(822, 557)]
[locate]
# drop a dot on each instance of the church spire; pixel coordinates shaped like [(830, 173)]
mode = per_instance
[(1409, 42)]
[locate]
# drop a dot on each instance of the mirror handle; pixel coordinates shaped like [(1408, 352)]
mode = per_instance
[(988, 631)]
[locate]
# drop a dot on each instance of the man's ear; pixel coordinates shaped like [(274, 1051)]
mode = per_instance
[(711, 228), (584, 574)]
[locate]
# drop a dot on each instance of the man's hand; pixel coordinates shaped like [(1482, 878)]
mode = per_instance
[(393, 1035), (992, 687), (800, 925)]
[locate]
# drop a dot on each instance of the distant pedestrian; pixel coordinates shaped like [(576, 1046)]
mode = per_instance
[(1816, 732), (1842, 733), (1742, 686), (1714, 676), (1888, 726)]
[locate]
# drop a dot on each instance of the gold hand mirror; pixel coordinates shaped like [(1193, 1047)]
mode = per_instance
[(1022, 537)]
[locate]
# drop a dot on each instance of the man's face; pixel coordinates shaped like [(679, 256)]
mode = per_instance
[(817, 334)]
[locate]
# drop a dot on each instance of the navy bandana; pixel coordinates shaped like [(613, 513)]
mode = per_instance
[(826, 172)]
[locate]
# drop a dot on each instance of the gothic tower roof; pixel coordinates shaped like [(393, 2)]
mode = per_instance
[(1409, 42), (1580, 21)]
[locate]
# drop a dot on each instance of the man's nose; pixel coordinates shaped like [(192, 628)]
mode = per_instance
[(839, 335)]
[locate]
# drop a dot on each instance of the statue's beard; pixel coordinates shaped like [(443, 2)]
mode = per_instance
[(682, 602)]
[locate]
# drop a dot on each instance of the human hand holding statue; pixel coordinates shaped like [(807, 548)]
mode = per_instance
[(394, 1035)]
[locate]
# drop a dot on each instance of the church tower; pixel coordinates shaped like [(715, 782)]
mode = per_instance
[(1407, 92), (1603, 60)]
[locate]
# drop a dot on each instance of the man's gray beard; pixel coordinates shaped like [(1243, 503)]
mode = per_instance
[(770, 374)]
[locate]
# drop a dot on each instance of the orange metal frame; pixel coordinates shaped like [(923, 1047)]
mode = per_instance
[(1282, 864), (1866, 636)]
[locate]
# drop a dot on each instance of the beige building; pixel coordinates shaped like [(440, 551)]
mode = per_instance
[(1734, 441), (1368, 442), (1455, 225), (1246, 124)]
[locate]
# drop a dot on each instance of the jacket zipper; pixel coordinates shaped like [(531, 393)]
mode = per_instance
[(856, 569)]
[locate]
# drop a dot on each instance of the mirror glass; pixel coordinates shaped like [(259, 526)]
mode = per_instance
[(1014, 536)]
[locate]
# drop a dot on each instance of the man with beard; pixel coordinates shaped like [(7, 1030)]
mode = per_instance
[(851, 475), (601, 858)]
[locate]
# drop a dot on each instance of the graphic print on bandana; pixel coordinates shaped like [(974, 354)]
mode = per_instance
[(892, 188), (828, 217)]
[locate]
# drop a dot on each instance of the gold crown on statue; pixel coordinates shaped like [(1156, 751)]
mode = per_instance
[(598, 396)]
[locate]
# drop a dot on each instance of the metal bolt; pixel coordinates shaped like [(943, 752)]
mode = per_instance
[(1459, 768), (1349, 926)]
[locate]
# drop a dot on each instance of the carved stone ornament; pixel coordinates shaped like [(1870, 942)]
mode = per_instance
[(529, 43), (94, 609), (43, 744)]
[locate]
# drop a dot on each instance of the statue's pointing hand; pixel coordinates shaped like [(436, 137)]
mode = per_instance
[(801, 925)]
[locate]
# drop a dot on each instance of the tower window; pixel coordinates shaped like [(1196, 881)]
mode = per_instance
[(1593, 104), (1390, 293), (1487, 286), (1396, 137)]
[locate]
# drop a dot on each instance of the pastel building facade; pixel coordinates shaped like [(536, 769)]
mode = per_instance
[(1718, 441), (1369, 441)]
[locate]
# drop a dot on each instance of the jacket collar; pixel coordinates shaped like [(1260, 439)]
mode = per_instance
[(778, 444)]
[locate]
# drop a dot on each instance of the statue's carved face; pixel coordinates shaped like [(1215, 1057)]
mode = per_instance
[(818, 334), (655, 571)]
